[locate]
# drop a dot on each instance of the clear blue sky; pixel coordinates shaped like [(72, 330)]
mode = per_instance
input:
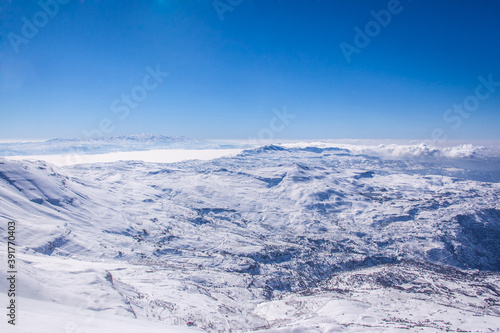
[(226, 76)]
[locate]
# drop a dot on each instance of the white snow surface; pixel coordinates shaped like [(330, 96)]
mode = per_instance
[(49, 317), (298, 237)]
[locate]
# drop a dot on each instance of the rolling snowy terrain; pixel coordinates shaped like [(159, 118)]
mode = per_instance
[(298, 237)]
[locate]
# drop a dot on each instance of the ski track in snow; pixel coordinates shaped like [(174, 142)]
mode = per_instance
[(299, 237)]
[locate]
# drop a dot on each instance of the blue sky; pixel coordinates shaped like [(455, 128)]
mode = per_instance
[(228, 77)]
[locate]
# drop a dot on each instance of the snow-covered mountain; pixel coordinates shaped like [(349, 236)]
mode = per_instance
[(283, 238), (103, 145)]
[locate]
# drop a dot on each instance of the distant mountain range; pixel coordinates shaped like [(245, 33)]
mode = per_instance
[(103, 145), (131, 137)]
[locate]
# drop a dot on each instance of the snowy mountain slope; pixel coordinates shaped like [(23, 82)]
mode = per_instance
[(226, 244), (49, 317), (404, 297)]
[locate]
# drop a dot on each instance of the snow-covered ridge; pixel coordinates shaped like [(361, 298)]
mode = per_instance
[(469, 161)]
